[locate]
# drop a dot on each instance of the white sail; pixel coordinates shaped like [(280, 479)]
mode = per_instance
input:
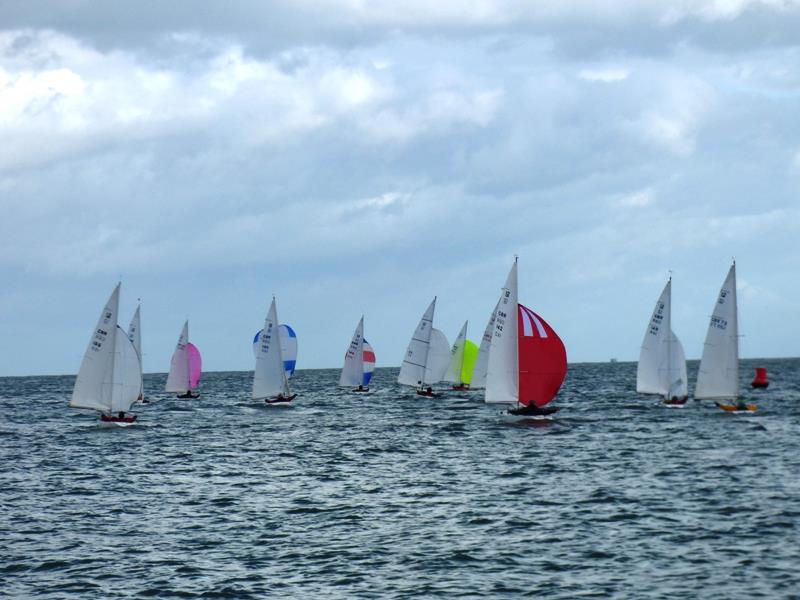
[(135, 336), (127, 376), (95, 381), (678, 385), (353, 369), (479, 373), (269, 378), (438, 357), (502, 374), (178, 378), (453, 373), (718, 375), (412, 371)]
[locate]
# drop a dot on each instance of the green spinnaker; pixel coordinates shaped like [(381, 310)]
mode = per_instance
[(468, 364)]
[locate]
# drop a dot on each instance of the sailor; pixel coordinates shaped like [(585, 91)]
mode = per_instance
[(121, 415)]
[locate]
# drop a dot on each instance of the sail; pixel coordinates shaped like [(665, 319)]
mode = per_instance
[(468, 366), (269, 378), (135, 336), (369, 363), (412, 371), (288, 347), (93, 385), (652, 372), (353, 369), (438, 357), (453, 373), (178, 378), (502, 373), (195, 365), (542, 359), (718, 375), (482, 362), (127, 377), (678, 386)]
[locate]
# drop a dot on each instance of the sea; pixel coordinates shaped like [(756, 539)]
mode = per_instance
[(392, 495)]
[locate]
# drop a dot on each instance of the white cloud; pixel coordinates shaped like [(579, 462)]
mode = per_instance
[(605, 75), (645, 197)]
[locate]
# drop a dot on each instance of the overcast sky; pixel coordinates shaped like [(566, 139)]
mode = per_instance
[(353, 156)]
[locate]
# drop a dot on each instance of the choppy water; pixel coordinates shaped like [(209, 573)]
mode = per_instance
[(393, 495)]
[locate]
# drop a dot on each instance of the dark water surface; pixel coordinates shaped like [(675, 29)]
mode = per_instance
[(393, 495)]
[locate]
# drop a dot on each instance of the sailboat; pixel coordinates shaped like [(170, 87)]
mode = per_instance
[(718, 374), (359, 362), (662, 363), (109, 380), (135, 336), (482, 362), (270, 382), (185, 367), (462, 361), (527, 361), (288, 339), (427, 356)]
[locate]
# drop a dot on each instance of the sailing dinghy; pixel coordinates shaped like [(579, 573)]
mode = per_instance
[(427, 356), (135, 336), (527, 361), (662, 363), (718, 374), (359, 362), (462, 361), (185, 367), (270, 381), (109, 380)]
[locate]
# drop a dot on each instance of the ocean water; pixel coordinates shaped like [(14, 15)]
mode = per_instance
[(391, 495)]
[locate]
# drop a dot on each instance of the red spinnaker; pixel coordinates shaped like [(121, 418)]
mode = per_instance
[(542, 359)]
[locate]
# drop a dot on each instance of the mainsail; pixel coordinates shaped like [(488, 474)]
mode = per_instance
[(718, 374), (502, 372), (135, 336), (178, 378), (482, 362), (353, 369)]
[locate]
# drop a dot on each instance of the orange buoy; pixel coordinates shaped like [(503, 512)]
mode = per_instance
[(760, 380)]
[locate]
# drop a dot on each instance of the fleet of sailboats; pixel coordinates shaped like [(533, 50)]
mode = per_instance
[(521, 360), (662, 363)]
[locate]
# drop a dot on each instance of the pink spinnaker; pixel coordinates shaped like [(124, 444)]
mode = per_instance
[(195, 365)]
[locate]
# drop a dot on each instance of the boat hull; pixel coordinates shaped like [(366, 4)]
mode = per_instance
[(279, 401), (118, 421), (533, 411), (737, 409)]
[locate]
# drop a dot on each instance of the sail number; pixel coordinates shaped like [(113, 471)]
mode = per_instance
[(719, 323)]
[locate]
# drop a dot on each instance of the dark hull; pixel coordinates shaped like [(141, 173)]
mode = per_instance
[(533, 411)]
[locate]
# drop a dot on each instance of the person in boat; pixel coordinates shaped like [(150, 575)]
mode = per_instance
[(429, 390), (360, 388), (121, 415)]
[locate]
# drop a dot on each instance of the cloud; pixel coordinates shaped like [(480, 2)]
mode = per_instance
[(606, 75)]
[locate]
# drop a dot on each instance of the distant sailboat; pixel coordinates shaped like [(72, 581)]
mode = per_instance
[(135, 336), (185, 367), (482, 362), (109, 380), (718, 374), (270, 381), (462, 361), (427, 356), (662, 363), (288, 339), (527, 361), (359, 362)]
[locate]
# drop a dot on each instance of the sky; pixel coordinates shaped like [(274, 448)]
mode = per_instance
[(357, 157)]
